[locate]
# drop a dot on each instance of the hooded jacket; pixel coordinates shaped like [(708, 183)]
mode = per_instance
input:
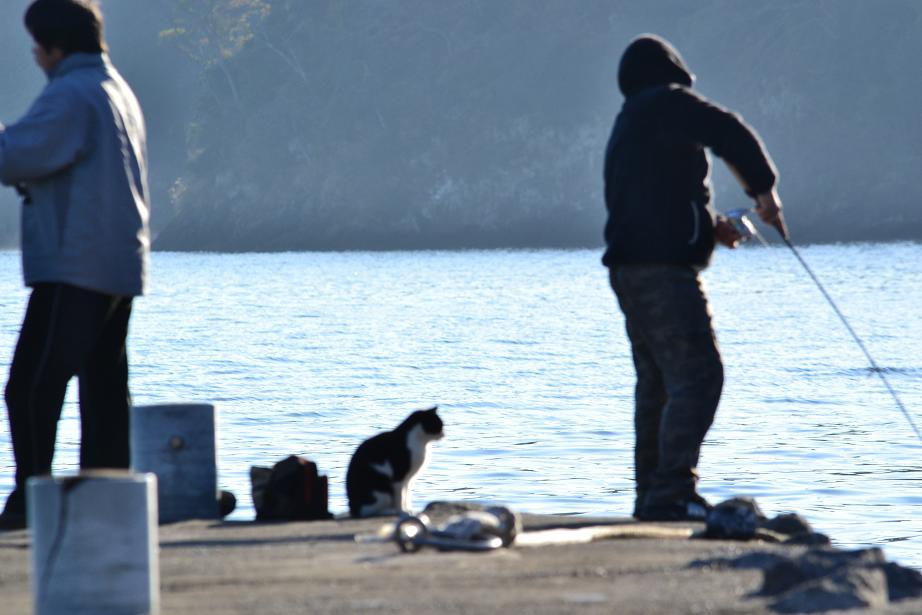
[(657, 173), (80, 155)]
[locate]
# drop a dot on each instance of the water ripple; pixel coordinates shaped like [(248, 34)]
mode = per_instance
[(526, 355)]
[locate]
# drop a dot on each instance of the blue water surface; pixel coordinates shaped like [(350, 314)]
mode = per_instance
[(524, 351)]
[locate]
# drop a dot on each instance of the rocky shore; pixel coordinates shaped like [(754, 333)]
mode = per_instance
[(596, 565)]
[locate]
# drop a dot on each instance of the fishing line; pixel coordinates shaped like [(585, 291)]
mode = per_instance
[(737, 218), (874, 367)]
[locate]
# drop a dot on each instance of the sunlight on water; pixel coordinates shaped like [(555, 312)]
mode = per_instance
[(525, 353)]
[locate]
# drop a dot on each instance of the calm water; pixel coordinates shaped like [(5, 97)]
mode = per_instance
[(525, 353)]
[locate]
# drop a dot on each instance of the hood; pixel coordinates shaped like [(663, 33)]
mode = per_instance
[(651, 61)]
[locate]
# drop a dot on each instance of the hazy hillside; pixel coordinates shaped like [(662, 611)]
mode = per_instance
[(328, 124), (472, 123)]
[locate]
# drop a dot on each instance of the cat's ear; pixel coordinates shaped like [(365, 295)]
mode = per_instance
[(432, 409)]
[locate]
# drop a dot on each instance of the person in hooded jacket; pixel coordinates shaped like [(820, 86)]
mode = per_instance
[(660, 234)]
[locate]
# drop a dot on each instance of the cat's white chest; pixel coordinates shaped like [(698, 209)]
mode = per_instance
[(418, 444)]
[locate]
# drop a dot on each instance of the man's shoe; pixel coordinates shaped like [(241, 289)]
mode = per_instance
[(13, 516), (694, 508), (12, 521)]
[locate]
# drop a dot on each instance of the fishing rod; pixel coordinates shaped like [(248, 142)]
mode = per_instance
[(746, 229)]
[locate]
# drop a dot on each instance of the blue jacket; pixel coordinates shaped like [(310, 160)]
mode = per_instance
[(80, 153)]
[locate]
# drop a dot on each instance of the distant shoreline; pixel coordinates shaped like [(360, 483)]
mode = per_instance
[(499, 248)]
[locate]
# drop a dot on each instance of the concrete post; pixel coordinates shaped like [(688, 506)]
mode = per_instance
[(177, 443), (94, 544)]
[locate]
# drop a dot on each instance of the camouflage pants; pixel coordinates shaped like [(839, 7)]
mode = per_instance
[(679, 375)]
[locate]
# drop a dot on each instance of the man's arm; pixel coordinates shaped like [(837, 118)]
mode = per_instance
[(50, 137), (729, 137)]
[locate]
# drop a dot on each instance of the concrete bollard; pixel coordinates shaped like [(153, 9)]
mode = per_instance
[(94, 543), (177, 443)]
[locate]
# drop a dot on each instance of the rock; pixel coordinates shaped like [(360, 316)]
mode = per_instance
[(812, 539), (902, 582), (782, 576), (757, 560), (734, 519), (741, 519), (744, 502), (848, 588), (826, 579), (789, 572), (791, 524), (793, 529)]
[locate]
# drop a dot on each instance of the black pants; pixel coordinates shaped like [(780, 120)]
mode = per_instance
[(67, 332), (679, 375)]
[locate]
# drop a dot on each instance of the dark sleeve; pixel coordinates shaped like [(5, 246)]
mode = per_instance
[(729, 137)]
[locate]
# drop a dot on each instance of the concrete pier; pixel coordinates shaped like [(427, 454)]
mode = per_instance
[(211, 568)]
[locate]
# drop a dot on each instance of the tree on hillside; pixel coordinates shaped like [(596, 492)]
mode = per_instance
[(211, 32)]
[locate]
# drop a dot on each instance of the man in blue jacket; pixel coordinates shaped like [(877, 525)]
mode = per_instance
[(79, 159), (660, 234)]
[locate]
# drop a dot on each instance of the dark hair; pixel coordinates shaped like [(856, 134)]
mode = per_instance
[(73, 26)]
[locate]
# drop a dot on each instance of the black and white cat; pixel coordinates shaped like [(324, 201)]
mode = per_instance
[(382, 467)]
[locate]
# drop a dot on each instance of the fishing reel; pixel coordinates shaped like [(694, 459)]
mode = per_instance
[(741, 223)]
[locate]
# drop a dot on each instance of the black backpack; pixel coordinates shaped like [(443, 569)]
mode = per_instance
[(292, 490)]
